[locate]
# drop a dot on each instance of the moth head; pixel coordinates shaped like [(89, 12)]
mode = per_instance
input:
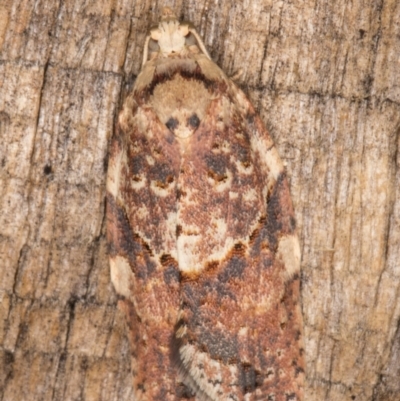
[(172, 38)]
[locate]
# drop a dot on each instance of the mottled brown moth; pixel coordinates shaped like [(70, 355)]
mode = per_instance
[(202, 235)]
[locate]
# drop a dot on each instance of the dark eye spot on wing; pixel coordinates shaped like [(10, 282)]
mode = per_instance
[(172, 123), (193, 121)]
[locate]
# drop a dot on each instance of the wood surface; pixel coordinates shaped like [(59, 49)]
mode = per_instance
[(325, 78)]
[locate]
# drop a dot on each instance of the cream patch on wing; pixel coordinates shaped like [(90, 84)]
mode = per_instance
[(265, 303), (274, 162), (221, 184), (289, 253), (114, 173), (243, 169), (191, 257), (160, 189), (170, 234), (196, 247), (268, 155), (250, 196), (221, 147), (190, 197), (142, 213), (188, 253), (215, 379), (121, 275), (138, 182), (217, 228), (150, 160), (200, 367)]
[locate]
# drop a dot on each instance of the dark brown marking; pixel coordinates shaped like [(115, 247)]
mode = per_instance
[(234, 268), (219, 345), (157, 151), (172, 123), (144, 244), (212, 266), (161, 172), (216, 177), (298, 371), (253, 235), (180, 194), (167, 259), (196, 74), (171, 275), (249, 378), (188, 277), (137, 165), (165, 184), (199, 76), (239, 249), (217, 164), (183, 392), (193, 121), (279, 213)]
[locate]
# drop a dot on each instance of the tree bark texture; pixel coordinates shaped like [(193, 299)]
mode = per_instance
[(325, 77)]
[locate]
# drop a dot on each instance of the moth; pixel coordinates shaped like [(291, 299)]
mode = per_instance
[(202, 236)]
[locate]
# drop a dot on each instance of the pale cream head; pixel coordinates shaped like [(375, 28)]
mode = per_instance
[(172, 38)]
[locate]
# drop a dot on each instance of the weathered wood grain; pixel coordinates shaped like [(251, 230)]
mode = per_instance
[(325, 77)]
